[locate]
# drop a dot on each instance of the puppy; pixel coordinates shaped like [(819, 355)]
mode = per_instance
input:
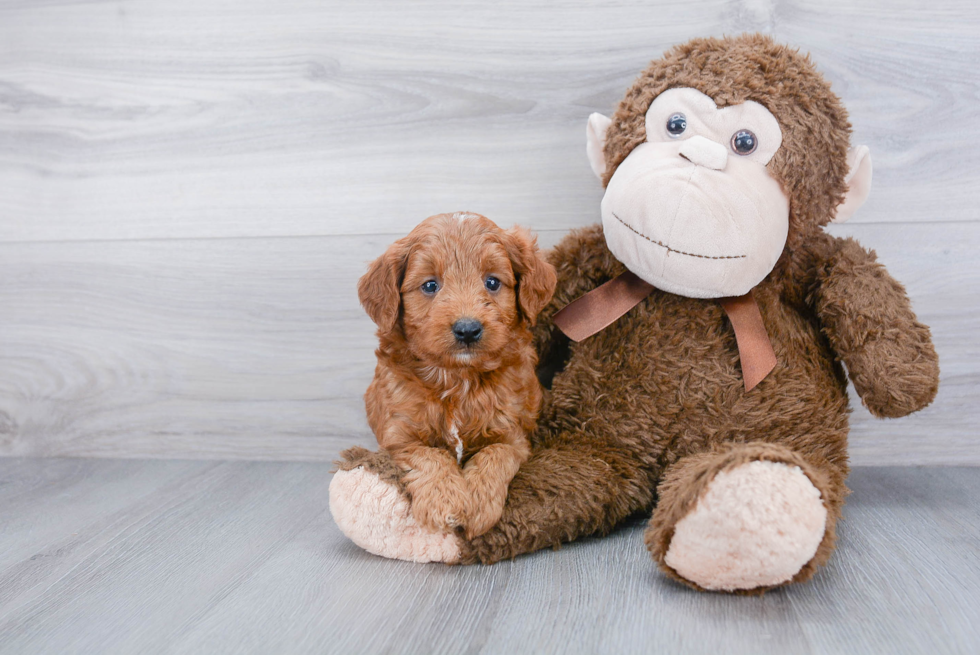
[(454, 395)]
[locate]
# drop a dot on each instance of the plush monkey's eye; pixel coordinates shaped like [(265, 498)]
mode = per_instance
[(429, 287), (676, 124), (492, 283), (744, 142)]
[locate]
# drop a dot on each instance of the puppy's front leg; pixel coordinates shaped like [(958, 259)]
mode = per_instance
[(436, 485), (488, 474)]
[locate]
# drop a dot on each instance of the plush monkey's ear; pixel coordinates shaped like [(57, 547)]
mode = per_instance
[(379, 290), (595, 141), (536, 278), (858, 183)]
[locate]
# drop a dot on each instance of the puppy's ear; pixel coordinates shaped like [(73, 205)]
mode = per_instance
[(379, 290), (536, 278)]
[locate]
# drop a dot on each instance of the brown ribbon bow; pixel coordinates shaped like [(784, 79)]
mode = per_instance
[(600, 307)]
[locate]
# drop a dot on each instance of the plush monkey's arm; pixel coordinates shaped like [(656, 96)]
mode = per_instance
[(868, 319), (582, 262)]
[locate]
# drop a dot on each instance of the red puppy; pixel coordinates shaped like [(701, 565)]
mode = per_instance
[(455, 395)]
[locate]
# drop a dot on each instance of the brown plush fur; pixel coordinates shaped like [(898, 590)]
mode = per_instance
[(454, 415), (379, 463), (646, 412)]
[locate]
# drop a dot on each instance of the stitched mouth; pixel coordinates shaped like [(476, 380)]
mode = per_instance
[(668, 248)]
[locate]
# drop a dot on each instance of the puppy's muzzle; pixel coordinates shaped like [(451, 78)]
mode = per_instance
[(467, 330)]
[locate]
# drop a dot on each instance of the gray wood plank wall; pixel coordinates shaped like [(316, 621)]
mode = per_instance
[(189, 191)]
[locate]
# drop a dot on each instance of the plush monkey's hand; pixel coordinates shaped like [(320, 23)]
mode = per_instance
[(868, 319)]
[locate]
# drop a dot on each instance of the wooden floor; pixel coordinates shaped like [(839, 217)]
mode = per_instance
[(113, 556)]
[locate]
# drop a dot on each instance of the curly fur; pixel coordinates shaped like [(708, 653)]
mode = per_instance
[(641, 416), (649, 410), (456, 416)]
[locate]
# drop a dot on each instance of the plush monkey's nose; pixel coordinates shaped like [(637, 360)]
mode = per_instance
[(705, 152), (468, 330)]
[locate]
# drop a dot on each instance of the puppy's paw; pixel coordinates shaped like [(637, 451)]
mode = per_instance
[(488, 475), (483, 514), (439, 504)]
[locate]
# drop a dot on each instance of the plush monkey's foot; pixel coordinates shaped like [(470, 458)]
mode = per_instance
[(753, 526), (369, 505)]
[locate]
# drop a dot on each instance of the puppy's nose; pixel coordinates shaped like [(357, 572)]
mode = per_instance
[(468, 330)]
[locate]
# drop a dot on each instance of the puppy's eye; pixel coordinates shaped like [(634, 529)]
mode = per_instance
[(492, 283), (676, 124), (429, 287), (744, 142)]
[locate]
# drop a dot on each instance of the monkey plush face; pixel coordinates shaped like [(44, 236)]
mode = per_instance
[(693, 210), (723, 155)]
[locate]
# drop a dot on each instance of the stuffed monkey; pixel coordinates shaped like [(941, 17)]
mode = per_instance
[(712, 321)]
